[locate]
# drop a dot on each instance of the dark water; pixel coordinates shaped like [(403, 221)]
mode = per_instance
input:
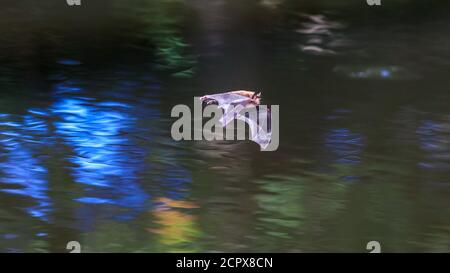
[(85, 147)]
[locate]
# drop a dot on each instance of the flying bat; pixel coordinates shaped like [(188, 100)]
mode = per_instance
[(239, 105)]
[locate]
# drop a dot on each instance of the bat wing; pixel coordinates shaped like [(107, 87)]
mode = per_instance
[(260, 132)]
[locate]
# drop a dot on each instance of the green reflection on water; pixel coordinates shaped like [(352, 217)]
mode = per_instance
[(160, 23)]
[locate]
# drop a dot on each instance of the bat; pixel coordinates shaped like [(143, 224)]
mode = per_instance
[(237, 105)]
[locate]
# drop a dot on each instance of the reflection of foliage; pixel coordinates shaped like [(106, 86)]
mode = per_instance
[(159, 25), (324, 208), (170, 52), (438, 240), (177, 229), (271, 3), (282, 199), (293, 205), (112, 236), (46, 31)]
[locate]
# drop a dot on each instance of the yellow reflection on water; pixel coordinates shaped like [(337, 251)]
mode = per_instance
[(177, 229)]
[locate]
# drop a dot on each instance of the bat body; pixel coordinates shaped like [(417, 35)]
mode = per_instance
[(239, 97)]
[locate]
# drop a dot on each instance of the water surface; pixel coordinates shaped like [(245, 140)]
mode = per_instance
[(86, 152)]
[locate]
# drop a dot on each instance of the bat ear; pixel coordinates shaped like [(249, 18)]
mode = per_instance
[(257, 95)]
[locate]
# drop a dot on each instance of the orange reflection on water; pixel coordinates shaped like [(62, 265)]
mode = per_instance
[(177, 229)]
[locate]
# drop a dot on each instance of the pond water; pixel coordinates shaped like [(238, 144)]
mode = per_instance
[(85, 147)]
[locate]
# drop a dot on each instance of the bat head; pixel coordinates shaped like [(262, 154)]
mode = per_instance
[(257, 97), (207, 101)]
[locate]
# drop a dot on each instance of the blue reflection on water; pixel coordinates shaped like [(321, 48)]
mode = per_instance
[(176, 180), (104, 157), (384, 73), (111, 145), (435, 142), (21, 169), (68, 62), (345, 145)]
